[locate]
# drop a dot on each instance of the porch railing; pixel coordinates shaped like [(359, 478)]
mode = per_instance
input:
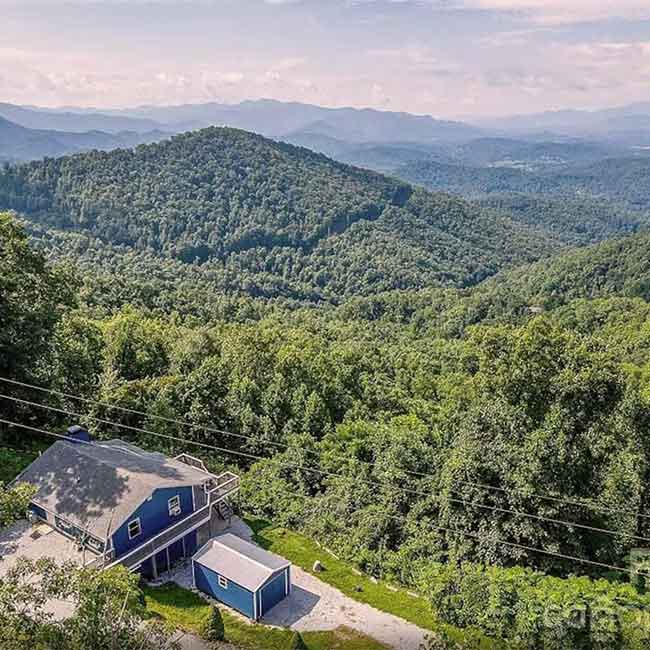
[(226, 485)]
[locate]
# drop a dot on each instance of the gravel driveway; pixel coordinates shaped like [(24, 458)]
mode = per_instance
[(314, 605)]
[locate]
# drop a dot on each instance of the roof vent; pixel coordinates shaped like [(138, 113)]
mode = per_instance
[(77, 433)]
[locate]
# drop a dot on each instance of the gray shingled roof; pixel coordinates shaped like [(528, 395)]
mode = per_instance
[(240, 561), (98, 486)]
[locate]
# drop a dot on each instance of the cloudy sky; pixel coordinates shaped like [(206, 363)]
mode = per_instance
[(450, 58)]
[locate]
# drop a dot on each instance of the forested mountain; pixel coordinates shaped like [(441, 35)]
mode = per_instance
[(18, 143), (576, 220), (624, 180), (593, 284), (270, 219), (613, 268)]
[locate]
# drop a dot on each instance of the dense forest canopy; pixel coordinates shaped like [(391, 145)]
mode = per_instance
[(270, 219), (469, 418), (619, 179)]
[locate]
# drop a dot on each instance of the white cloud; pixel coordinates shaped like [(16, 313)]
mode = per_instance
[(567, 11)]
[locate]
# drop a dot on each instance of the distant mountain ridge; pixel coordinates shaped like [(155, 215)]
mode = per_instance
[(267, 117), (19, 143), (629, 125), (73, 121)]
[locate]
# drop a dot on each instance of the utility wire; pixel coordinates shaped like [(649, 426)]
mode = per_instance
[(483, 486), (531, 549), (373, 483)]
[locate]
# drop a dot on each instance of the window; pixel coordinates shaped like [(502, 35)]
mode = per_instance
[(134, 528), (223, 583), (174, 505)]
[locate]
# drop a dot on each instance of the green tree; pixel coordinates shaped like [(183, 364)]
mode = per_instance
[(14, 502), (33, 298)]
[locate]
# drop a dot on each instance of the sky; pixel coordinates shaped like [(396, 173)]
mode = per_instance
[(446, 58)]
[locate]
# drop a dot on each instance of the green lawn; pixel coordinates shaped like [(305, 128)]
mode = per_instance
[(303, 552), (14, 461), (183, 609)]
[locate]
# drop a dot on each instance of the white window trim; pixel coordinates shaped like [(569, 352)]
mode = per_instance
[(128, 527), (176, 500), (223, 582)]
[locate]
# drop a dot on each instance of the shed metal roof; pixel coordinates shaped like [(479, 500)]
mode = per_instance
[(240, 561), (98, 486)]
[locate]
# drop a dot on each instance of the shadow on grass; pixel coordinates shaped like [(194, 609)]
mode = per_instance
[(258, 526)]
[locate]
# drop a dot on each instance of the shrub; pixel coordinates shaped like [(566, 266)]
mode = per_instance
[(14, 502), (297, 642), (538, 612), (214, 629)]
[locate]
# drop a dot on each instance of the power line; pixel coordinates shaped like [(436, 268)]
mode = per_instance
[(483, 486), (531, 549), (437, 497)]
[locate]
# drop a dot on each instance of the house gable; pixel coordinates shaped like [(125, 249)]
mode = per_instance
[(154, 517)]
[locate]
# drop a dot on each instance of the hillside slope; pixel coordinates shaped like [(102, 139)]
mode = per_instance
[(270, 219), (589, 285), (18, 143), (617, 267), (625, 180)]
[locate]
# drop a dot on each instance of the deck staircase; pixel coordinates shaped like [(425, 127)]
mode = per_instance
[(225, 510)]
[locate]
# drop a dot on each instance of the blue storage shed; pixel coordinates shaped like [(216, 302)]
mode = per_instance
[(241, 575)]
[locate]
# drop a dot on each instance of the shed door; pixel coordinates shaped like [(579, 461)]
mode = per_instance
[(273, 592)]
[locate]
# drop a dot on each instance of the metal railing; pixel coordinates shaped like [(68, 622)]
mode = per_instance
[(227, 483), (192, 461), (101, 561)]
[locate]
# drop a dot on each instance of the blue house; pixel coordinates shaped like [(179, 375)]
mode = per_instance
[(241, 575), (127, 506)]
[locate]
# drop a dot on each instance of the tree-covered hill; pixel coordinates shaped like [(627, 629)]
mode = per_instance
[(624, 180), (576, 220), (611, 277), (617, 267), (268, 218)]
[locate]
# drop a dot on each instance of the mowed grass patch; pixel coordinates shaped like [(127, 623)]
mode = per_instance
[(186, 610), (303, 552)]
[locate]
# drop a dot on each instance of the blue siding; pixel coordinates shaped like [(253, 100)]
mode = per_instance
[(146, 569), (38, 511), (154, 518), (273, 592), (235, 596), (175, 553), (191, 544)]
